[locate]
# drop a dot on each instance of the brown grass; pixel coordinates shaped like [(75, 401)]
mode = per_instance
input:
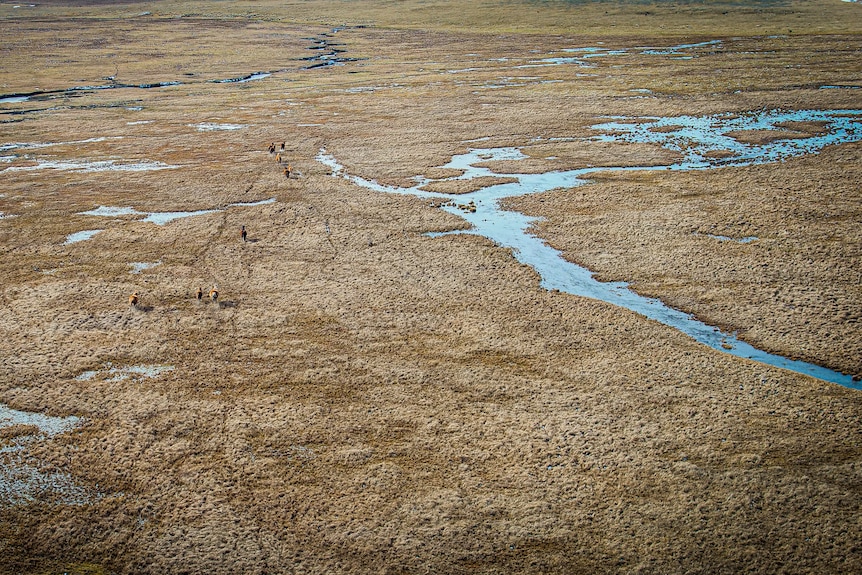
[(365, 398)]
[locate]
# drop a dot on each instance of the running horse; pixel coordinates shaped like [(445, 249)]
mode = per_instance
[(214, 294), (133, 300)]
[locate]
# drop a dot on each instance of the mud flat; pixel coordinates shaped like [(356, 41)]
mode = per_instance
[(377, 389)]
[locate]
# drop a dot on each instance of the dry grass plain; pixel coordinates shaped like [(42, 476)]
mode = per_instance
[(368, 399)]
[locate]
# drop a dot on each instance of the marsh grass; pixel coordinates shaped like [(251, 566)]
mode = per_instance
[(367, 398)]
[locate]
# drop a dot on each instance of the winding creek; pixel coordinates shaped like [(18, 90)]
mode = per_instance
[(327, 53), (704, 142)]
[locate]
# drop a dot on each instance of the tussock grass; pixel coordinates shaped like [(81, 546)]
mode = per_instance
[(364, 397)]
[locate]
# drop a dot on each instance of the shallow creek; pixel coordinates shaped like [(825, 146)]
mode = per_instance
[(327, 53), (704, 142)]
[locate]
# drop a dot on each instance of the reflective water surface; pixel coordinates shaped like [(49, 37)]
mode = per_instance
[(703, 142)]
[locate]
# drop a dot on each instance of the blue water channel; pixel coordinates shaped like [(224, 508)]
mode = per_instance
[(704, 142)]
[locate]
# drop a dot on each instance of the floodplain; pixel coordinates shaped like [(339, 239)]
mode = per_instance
[(391, 380)]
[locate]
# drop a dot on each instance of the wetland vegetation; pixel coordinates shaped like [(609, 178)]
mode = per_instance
[(378, 388)]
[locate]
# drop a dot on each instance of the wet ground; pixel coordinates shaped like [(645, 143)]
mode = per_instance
[(703, 143), (396, 377)]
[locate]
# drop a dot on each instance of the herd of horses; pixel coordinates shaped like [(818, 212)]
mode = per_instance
[(135, 298)]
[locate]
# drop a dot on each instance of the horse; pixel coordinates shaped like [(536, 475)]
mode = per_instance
[(200, 293), (243, 233), (272, 148), (287, 171), (133, 300), (214, 294), (282, 146), (278, 158)]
